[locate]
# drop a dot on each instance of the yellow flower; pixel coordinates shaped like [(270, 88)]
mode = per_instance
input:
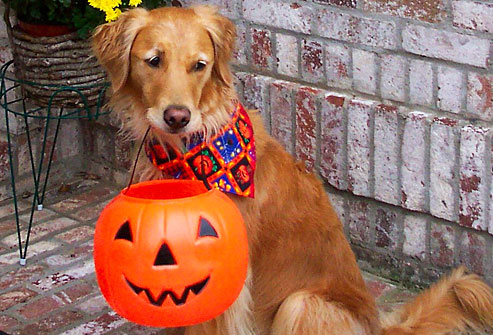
[(95, 3), (107, 5), (112, 14), (110, 7)]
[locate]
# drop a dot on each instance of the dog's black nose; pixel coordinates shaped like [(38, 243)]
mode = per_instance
[(176, 117)]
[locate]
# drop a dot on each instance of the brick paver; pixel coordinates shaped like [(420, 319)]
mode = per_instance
[(57, 292)]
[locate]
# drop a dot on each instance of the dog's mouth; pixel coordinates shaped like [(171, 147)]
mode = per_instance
[(195, 288)]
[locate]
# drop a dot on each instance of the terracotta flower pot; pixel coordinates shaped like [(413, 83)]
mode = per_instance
[(43, 30)]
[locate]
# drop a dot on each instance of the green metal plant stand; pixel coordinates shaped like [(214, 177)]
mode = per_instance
[(89, 110)]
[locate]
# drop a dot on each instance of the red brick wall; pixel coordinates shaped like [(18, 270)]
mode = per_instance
[(391, 102)]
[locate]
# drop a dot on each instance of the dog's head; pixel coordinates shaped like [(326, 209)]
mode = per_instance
[(173, 64)]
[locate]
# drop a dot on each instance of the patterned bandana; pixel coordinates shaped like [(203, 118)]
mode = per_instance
[(226, 161)]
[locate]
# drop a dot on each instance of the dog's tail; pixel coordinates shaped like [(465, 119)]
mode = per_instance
[(456, 302)]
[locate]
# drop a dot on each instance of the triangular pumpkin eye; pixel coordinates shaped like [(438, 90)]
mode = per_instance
[(206, 229), (124, 233)]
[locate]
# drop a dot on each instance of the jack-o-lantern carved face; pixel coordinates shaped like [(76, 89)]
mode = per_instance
[(177, 258)]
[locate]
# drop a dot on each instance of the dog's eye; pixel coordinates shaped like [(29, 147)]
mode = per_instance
[(154, 61), (200, 65)]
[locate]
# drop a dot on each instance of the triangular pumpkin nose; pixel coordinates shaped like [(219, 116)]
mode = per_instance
[(164, 256)]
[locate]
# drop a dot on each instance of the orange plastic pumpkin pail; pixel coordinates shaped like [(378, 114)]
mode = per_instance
[(170, 253)]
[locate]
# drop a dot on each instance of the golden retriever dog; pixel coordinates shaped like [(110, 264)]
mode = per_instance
[(169, 72)]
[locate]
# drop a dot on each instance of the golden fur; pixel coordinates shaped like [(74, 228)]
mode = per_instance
[(303, 276)]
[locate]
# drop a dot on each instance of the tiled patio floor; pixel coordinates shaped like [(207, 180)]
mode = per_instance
[(56, 292)]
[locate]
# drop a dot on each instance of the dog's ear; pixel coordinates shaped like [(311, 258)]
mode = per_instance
[(112, 42), (223, 34)]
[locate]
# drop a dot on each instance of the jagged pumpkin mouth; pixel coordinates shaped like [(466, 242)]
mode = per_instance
[(178, 300)]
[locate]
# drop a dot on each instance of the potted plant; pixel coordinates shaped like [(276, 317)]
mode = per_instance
[(50, 46), (57, 17)]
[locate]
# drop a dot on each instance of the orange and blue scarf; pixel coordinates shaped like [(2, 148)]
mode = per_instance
[(226, 161)]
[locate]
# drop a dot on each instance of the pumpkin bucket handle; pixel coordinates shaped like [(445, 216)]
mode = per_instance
[(136, 160)]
